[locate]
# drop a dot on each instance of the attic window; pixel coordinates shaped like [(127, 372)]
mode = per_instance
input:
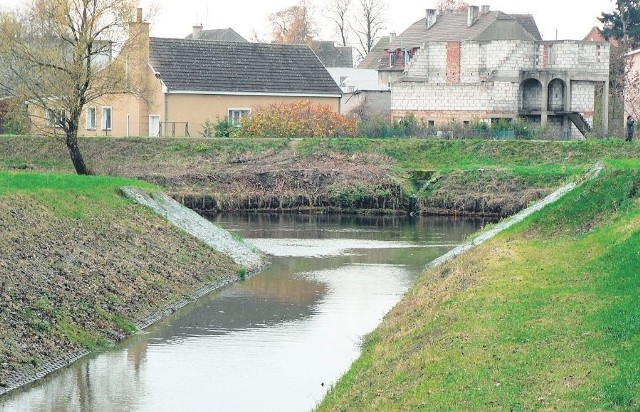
[(392, 59)]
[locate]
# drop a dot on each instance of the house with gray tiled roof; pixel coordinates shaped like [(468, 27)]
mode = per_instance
[(333, 56), (194, 81), (227, 34), (223, 68), (484, 65), (374, 57)]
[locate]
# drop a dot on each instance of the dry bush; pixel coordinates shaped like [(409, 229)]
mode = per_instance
[(299, 119)]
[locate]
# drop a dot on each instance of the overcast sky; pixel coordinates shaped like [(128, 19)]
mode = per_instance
[(174, 18)]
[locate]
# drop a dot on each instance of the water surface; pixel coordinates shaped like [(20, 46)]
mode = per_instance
[(275, 342)]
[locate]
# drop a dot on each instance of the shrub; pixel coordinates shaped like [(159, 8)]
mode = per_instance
[(299, 119), (380, 126), (15, 123), (221, 128)]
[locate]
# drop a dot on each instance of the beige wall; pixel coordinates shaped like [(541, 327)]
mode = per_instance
[(130, 116), (196, 109)]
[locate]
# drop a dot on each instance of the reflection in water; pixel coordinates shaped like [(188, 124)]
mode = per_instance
[(274, 342)]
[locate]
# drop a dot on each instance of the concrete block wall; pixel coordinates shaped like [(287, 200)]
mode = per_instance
[(484, 97), (430, 62), (506, 58), (473, 62), (583, 97), (427, 96), (486, 78), (505, 96), (589, 57)]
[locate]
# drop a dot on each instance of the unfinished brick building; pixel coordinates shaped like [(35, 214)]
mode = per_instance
[(487, 65)]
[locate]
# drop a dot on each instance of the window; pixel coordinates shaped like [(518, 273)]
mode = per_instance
[(432, 123), (91, 118), (107, 121), (392, 58), (236, 115), (55, 117)]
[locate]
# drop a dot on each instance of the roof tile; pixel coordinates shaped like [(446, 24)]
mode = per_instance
[(212, 66)]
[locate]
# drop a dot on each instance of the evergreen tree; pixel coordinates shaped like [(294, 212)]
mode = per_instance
[(623, 23)]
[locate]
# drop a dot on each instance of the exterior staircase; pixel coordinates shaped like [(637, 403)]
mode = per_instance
[(578, 120)]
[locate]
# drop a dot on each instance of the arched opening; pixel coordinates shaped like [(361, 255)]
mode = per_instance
[(531, 95), (556, 95)]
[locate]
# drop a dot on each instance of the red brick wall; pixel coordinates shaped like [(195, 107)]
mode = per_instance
[(453, 62), (545, 57)]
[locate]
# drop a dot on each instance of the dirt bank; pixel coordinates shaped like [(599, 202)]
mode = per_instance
[(78, 279), (217, 175)]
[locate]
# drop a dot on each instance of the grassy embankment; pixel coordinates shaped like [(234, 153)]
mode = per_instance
[(545, 316), (426, 175), (79, 264)]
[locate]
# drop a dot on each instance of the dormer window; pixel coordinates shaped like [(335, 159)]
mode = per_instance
[(392, 59)]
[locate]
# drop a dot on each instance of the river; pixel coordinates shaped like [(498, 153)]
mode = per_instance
[(274, 342)]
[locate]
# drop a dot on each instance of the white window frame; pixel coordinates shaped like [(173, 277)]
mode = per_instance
[(103, 119), (236, 114), (55, 117), (92, 121)]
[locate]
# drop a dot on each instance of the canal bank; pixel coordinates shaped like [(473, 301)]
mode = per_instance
[(82, 267), (243, 255), (544, 316), (378, 176)]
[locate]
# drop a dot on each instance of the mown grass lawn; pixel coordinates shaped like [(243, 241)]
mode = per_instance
[(544, 317), (69, 194)]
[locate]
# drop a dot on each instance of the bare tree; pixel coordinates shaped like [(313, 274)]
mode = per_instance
[(293, 25), (368, 22), (57, 55), (338, 12), (451, 6)]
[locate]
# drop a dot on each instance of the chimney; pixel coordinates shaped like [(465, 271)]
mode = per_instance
[(473, 13), (392, 36), (138, 43), (485, 9), (431, 18), (197, 31)]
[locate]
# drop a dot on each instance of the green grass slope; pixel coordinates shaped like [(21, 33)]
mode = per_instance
[(79, 264), (544, 317)]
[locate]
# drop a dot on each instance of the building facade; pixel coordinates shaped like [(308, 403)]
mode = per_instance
[(483, 65)]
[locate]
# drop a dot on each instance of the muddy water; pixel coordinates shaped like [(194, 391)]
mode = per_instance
[(275, 342)]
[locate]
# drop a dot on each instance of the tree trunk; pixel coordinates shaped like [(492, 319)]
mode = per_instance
[(74, 152)]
